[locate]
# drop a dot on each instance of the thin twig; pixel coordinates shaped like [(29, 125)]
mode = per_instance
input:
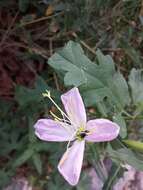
[(111, 49), (5, 36), (39, 52), (54, 74), (113, 177), (84, 44), (51, 46), (56, 81), (41, 19)]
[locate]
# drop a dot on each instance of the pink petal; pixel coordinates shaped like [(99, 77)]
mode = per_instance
[(50, 130), (102, 130), (71, 162), (74, 107)]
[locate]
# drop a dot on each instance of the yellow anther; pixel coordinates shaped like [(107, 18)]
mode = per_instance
[(47, 94), (91, 132)]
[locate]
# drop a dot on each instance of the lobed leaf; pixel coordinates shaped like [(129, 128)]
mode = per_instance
[(121, 122), (25, 95), (126, 156), (26, 155), (96, 80)]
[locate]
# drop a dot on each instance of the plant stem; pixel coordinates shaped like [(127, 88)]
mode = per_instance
[(97, 166), (113, 177)]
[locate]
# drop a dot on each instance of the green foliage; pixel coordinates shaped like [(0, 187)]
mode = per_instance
[(23, 5), (5, 177), (115, 172), (104, 24), (136, 84), (97, 81), (131, 52), (25, 95), (105, 87), (135, 145), (23, 158), (126, 156), (19, 124), (6, 3), (37, 162), (85, 182), (121, 122)]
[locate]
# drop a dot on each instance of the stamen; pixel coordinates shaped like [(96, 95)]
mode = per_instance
[(90, 132), (47, 94), (56, 117), (70, 122), (59, 119), (81, 133)]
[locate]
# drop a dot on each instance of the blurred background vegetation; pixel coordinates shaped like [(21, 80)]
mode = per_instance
[(30, 32)]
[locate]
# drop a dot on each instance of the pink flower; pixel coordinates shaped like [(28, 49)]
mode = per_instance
[(77, 130)]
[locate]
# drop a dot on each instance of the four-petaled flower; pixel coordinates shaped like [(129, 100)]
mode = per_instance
[(77, 131)]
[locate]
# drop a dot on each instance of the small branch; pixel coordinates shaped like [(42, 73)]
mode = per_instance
[(113, 177), (40, 19), (5, 36), (111, 49), (56, 81), (84, 44)]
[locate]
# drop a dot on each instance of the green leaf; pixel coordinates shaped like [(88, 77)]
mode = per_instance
[(85, 182), (5, 108), (23, 5), (25, 95), (115, 172), (136, 145), (32, 136), (96, 81), (102, 108), (5, 177), (6, 3), (131, 52), (125, 155), (121, 122), (27, 154), (37, 162), (136, 84), (93, 158)]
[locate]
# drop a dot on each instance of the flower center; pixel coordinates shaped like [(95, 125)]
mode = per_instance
[(81, 133)]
